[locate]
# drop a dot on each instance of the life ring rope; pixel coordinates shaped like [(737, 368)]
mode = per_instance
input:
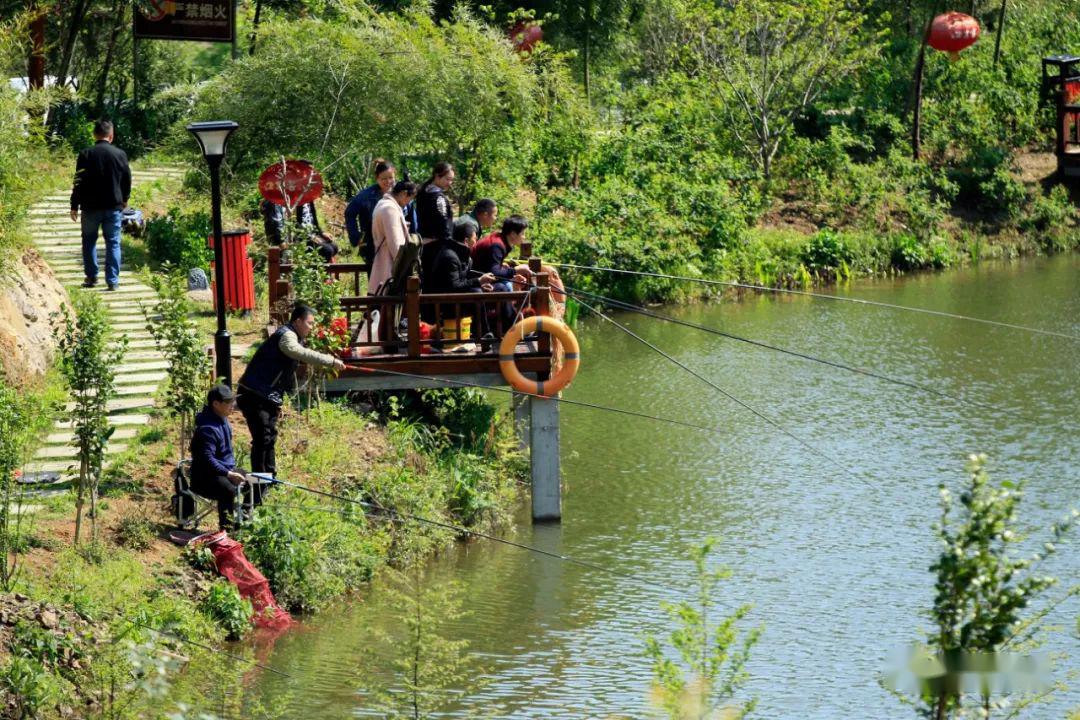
[(560, 332)]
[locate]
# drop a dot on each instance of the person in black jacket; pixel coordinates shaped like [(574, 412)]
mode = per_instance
[(446, 267), (213, 464), (100, 190), (434, 212), (270, 376)]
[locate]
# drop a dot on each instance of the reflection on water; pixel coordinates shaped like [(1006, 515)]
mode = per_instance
[(836, 566)]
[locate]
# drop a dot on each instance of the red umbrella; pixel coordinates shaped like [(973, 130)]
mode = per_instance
[(292, 183)]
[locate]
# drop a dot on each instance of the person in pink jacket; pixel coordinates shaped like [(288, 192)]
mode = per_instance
[(389, 231)]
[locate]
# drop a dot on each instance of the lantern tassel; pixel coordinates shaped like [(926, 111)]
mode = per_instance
[(954, 55)]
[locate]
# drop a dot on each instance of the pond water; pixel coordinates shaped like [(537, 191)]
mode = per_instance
[(835, 564)]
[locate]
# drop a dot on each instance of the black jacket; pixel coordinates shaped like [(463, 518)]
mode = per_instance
[(435, 214), (102, 178), (448, 268), (271, 374)]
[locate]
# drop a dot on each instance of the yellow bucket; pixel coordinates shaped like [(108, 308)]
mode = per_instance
[(450, 328)]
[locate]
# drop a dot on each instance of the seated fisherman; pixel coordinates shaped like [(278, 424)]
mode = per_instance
[(489, 254), (213, 465), (447, 268)]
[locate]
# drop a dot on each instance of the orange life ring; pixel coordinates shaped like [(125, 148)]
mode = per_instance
[(558, 331)]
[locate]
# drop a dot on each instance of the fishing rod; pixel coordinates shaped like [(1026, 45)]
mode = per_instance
[(746, 406), (825, 296), (466, 531)]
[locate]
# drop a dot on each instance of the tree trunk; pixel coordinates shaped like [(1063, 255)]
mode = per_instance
[(78, 15), (79, 497), (255, 27), (1000, 30), (36, 71), (103, 83), (920, 63), (588, 50)]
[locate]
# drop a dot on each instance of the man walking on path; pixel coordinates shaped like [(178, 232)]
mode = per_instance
[(101, 189)]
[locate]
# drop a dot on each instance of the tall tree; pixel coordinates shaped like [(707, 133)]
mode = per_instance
[(775, 58)]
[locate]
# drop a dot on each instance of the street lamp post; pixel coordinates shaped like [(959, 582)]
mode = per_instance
[(213, 136)]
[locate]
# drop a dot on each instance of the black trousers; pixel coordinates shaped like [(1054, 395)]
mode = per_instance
[(220, 488), (261, 417)]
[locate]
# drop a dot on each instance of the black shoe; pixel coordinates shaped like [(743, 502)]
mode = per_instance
[(113, 286), (89, 283)]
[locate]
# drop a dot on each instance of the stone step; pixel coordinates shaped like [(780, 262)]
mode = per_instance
[(116, 420), (15, 509), (129, 327), (66, 468), (66, 438), (143, 366), (136, 390), (124, 288), (61, 452), (134, 355), (141, 378), (141, 343), (121, 404)]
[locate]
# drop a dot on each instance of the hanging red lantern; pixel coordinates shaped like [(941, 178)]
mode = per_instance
[(952, 32), (526, 36)]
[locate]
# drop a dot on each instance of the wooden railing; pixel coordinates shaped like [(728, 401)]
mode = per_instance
[(399, 335)]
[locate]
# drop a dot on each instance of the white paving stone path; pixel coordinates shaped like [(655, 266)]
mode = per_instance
[(143, 367)]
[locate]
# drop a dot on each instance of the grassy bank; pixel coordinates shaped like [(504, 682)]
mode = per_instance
[(77, 638)]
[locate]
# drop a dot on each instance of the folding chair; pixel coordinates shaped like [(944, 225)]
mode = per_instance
[(189, 507)]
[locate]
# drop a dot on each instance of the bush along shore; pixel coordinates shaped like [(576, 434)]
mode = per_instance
[(108, 628)]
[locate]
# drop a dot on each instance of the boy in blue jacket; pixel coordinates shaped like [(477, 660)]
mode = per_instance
[(213, 465)]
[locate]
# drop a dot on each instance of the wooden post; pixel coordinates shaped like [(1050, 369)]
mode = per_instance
[(521, 407), (526, 249), (273, 275), (544, 459), (412, 314)]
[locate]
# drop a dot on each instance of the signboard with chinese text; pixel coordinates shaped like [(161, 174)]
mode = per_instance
[(207, 20)]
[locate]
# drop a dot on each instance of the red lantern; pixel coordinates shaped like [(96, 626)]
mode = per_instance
[(952, 32), (524, 37)]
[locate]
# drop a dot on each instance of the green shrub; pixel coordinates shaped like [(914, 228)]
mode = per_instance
[(311, 555), (179, 238), (826, 252), (908, 253), (465, 413), (224, 605), (28, 687), (1052, 219), (134, 532)]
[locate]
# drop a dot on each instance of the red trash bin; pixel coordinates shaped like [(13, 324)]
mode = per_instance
[(238, 271)]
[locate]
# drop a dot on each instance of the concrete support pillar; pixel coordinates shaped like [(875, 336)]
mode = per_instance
[(521, 407), (544, 459)]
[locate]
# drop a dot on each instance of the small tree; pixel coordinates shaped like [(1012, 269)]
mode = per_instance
[(982, 592), (711, 667), (88, 356), (312, 285), (169, 322), (425, 661), (19, 418)]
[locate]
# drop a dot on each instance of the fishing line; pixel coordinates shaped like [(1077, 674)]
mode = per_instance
[(467, 531), (758, 343), (824, 296), (762, 416), (564, 401)]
